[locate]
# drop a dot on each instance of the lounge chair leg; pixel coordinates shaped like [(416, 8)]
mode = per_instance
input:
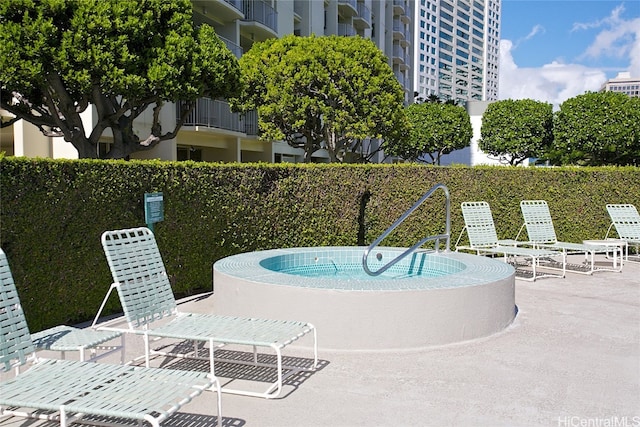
[(534, 261), (147, 351)]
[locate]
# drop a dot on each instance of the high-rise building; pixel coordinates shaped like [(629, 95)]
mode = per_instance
[(456, 49)]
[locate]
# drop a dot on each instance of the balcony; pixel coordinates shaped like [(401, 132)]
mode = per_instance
[(362, 20), (399, 54), (217, 114), (223, 10), (346, 30), (234, 48), (399, 7), (347, 8), (401, 32), (260, 20)]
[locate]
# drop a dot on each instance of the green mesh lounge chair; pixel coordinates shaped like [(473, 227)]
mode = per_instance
[(542, 234), (483, 239), (626, 220), (70, 391), (150, 310)]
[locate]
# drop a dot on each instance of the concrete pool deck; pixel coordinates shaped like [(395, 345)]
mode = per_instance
[(570, 358)]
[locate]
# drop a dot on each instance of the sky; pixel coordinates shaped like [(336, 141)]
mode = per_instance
[(553, 50)]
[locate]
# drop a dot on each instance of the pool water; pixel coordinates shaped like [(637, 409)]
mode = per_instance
[(347, 264), (356, 272)]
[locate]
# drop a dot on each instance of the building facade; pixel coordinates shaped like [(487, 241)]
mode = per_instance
[(213, 132), (623, 83), (456, 49)]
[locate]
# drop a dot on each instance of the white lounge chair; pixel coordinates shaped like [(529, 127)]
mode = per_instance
[(542, 234), (147, 298), (71, 391), (483, 240), (626, 220)]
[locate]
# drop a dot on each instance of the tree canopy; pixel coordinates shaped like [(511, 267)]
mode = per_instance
[(434, 129), (322, 92), (58, 58), (597, 128), (515, 130)]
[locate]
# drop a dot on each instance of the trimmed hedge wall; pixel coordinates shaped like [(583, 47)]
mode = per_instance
[(52, 213)]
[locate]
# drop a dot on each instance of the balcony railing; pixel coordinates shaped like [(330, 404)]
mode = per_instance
[(260, 11), (400, 29), (346, 30), (235, 3), (214, 113), (352, 4), (234, 48), (364, 15)]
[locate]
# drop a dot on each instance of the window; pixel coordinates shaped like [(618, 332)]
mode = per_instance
[(463, 5), (462, 25), (189, 153), (446, 36), (446, 46), (462, 34), (462, 15)]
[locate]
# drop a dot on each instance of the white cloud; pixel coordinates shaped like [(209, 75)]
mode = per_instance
[(558, 81), (537, 29), (554, 83), (618, 38)]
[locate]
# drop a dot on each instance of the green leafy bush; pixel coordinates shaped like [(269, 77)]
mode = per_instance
[(52, 213)]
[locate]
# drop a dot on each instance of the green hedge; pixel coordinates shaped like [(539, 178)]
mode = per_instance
[(52, 213)]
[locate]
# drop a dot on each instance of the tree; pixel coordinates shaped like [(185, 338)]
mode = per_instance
[(435, 129), (58, 58), (515, 130), (322, 92), (597, 129)]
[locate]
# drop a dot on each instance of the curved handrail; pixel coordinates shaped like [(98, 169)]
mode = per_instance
[(446, 235)]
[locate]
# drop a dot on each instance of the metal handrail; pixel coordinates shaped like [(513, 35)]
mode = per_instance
[(446, 235)]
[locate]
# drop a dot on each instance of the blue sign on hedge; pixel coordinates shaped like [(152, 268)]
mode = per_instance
[(153, 208)]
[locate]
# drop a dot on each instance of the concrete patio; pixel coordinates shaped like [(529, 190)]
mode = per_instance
[(571, 358)]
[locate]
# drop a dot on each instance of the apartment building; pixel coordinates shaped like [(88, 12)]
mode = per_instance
[(213, 132), (456, 49)]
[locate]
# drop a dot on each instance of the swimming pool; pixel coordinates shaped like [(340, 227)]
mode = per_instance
[(425, 299)]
